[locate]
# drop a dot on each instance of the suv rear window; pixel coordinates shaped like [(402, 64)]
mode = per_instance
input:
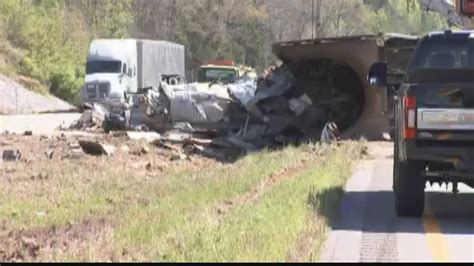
[(444, 54)]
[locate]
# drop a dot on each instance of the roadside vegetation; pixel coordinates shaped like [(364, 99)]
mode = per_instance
[(43, 44), (267, 206)]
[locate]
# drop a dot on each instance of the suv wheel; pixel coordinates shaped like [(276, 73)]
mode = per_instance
[(409, 186)]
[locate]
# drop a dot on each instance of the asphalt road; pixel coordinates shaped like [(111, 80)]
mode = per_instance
[(369, 231), (38, 124)]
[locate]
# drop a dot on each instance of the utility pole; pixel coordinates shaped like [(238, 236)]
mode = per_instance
[(312, 19), (318, 8)]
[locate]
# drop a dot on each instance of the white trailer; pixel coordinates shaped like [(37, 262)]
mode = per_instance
[(117, 67)]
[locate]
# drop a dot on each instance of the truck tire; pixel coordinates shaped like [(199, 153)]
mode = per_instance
[(409, 187), (392, 133), (392, 128)]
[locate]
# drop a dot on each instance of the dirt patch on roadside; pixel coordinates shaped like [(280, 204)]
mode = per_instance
[(286, 173), (257, 192), (44, 244)]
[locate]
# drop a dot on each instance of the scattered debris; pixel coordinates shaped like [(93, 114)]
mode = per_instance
[(210, 153), (290, 103), (179, 157), (176, 137), (108, 149), (50, 153), (10, 155), (41, 214), (148, 136), (330, 133), (299, 105), (149, 167), (96, 149), (93, 119), (140, 151), (74, 145), (39, 177), (125, 148), (248, 147), (184, 127)]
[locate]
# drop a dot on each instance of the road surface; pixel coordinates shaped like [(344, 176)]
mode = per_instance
[(38, 124), (368, 230)]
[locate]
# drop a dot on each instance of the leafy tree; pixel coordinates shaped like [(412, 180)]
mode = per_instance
[(49, 39), (406, 17)]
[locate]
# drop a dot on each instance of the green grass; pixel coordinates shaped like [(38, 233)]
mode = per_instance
[(267, 230), (173, 215), (190, 198)]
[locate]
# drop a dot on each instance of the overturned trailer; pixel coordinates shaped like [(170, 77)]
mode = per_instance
[(338, 68)]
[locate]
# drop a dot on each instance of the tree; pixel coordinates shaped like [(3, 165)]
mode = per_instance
[(406, 17)]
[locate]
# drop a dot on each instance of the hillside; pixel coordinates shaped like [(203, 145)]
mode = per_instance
[(43, 44), (15, 99)]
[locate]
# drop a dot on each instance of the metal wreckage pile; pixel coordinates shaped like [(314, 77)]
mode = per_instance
[(222, 120)]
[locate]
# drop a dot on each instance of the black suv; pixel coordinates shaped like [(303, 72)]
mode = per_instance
[(434, 118)]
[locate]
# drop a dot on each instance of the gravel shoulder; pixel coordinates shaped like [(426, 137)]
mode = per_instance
[(39, 124), (15, 99)]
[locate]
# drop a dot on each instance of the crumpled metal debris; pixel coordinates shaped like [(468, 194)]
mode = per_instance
[(96, 118), (193, 104), (92, 118), (10, 155), (243, 91), (276, 84), (299, 105), (330, 133), (148, 136), (236, 118), (95, 148)]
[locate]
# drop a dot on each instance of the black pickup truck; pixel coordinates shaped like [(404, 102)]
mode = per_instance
[(434, 118)]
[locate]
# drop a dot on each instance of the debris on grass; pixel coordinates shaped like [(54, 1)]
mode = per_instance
[(10, 155), (95, 148)]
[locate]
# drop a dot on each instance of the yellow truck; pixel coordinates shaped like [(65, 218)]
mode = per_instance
[(225, 72)]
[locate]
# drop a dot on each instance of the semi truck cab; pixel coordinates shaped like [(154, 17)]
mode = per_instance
[(117, 69), (111, 72)]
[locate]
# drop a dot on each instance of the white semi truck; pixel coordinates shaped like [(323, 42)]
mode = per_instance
[(118, 68)]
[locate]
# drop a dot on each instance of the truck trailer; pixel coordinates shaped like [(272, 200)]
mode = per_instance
[(336, 69), (118, 68)]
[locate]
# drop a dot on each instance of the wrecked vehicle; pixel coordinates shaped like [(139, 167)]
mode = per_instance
[(202, 105), (320, 83), (272, 110), (318, 93), (335, 71)]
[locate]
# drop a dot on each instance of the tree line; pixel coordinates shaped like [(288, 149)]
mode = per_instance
[(48, 40)]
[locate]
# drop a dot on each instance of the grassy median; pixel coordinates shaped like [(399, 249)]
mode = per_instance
[(268, 206)]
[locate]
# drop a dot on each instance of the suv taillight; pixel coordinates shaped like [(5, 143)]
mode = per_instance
[(409, 107)]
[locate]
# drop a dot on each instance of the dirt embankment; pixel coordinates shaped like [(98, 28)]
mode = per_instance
[(31, 245)]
